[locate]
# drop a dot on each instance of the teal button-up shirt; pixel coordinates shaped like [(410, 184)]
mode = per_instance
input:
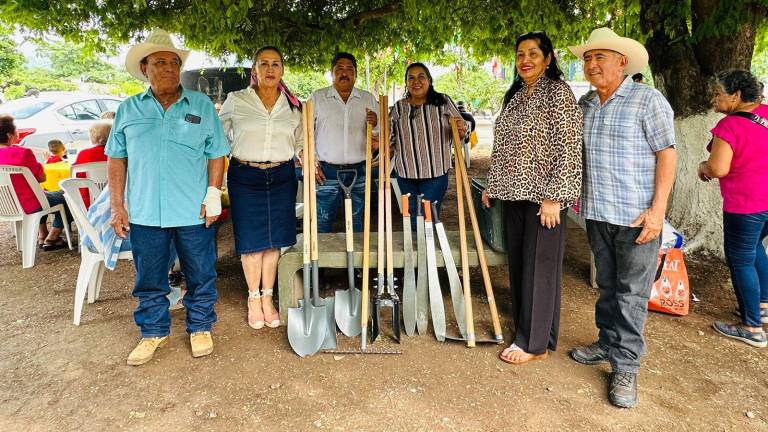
[(168, 153)]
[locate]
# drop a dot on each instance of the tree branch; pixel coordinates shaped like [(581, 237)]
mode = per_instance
[(361, 17)]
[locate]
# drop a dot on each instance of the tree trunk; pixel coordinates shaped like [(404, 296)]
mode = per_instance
[(682, 65)]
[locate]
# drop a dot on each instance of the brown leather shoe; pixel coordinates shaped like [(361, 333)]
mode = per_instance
[(202, 343), (145, 350)]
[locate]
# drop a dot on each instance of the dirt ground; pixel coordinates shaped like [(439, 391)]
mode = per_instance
[(59, 377)]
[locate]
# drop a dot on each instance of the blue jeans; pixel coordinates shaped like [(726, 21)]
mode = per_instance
[(195, 245), (745, 254), (56, 198), (625, 273), (433, 190), (330, 197)]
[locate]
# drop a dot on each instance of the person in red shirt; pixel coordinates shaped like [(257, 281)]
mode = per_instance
[(11, 154), (99, 132), (57, 150)]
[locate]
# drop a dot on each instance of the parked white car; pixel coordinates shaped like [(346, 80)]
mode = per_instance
[(66, 116)]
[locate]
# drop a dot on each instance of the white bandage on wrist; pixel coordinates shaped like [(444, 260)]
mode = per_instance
[(212, 202)]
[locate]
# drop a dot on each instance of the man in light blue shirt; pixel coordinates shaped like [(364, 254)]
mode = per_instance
[(629, 169), (166, 163)]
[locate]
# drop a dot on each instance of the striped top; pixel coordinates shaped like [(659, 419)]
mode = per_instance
[(422, 138)]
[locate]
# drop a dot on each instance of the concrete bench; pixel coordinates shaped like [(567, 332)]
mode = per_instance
[(332, 254)]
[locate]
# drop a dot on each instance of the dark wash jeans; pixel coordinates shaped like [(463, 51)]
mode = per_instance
[(743, 240), (625, 273), (330, 197), (195, 245)]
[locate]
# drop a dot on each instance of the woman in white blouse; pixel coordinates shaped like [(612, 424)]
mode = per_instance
[(263, 122)]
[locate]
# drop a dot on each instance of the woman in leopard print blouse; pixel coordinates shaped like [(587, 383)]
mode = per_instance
[(536, 173)]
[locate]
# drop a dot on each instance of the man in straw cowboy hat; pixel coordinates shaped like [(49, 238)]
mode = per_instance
[(166, 156), (629, 168)]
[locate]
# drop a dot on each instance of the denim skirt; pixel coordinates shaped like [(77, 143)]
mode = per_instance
[(263, 206)]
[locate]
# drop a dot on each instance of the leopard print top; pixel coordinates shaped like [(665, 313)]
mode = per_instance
[(537, 143)]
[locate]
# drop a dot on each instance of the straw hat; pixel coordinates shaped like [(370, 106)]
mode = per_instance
[(605, 38), (158, 40)]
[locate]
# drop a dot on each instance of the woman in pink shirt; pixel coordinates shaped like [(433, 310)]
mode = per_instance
[(11, 154), (739, 158)]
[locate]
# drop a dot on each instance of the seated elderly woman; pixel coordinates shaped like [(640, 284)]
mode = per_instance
[(99, 132), (14, 155)]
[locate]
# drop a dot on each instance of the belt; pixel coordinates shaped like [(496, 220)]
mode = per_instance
[(260, 165), (344, 166)]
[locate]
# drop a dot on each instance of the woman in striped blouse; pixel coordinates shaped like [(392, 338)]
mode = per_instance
[(421, 135)]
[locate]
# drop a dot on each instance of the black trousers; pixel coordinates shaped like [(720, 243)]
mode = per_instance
[(535, 256)]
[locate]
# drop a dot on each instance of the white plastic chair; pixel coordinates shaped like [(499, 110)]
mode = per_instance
[(96, 171), (26, 226), (91, 263)]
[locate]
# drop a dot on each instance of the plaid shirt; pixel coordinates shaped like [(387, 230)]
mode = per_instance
[(621, 138)]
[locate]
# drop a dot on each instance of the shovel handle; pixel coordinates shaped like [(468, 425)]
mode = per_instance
[(305, 235), (427, 211), (406, 213), (312, 184)]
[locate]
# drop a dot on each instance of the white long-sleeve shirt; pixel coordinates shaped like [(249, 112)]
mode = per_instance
[(255, 134), (340, 128)]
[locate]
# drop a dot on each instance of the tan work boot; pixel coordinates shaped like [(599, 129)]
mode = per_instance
[(145, 350), (202, 343)]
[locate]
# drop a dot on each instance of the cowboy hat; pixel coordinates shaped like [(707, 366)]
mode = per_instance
[(605, 38), (158, 40)]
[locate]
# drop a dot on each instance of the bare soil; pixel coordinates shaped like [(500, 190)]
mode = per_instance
[(59, 377)]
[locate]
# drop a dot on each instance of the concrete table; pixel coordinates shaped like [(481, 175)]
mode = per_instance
[(332, 254)]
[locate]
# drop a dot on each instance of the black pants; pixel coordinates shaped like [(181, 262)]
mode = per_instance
[(535, 257)]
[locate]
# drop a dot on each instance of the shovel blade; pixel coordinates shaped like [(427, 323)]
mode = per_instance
[(305, 344), (347, 306), (329, 342)]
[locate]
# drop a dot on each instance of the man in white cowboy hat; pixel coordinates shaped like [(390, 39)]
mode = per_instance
[(629, 169), (166, 163)]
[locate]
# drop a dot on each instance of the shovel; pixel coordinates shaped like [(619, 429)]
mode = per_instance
[(307, 323), (435, 294), (409, 279), (347, 302), (329, 341), (422, 293), (457, 295)]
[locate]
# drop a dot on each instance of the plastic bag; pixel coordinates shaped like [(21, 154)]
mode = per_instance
[(671, 292)]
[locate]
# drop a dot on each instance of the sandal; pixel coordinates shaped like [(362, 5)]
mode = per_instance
[(257, 323), (515, 348), (756, 339), (59, 243), (273, 319)]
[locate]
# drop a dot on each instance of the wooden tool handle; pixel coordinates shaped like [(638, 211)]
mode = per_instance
[(366, 235), (305, 234), (478, 240), (313, 185), (427, 211), (469, 317), (406, 213)]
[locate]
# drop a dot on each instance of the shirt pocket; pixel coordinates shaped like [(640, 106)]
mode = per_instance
[(188, 138), (140, 129)]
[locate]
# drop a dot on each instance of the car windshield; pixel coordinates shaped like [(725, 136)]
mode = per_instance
[(24, 108)]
